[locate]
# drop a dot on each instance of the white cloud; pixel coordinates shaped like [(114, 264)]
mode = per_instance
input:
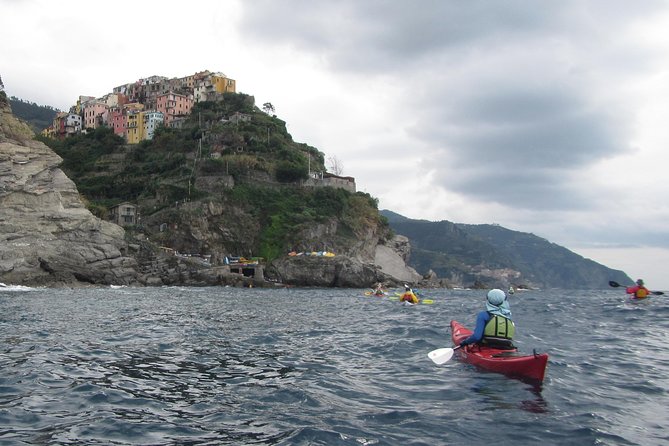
[(548, 119)]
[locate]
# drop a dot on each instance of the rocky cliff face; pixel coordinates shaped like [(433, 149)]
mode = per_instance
[(387, 266), (214, 228), (48, 236)]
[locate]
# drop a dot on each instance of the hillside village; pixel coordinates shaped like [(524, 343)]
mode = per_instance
[(265, 211), (136, 109)]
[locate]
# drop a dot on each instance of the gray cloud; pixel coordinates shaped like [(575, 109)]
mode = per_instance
[(519, 144), (519, 188), (523, 126), (504, 93), (375, 35)]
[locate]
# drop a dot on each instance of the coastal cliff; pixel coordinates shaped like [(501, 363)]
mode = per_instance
[(48, 235), (50, 238)]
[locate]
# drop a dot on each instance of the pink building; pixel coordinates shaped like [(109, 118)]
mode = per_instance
[(117, 120), (95, 114), (173, 105)]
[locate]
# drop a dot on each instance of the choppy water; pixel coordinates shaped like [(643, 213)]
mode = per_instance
[(324, 367)]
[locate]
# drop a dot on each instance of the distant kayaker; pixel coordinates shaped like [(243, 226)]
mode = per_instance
[(639, 291), (408, 295), (378, 291), (494, 326)]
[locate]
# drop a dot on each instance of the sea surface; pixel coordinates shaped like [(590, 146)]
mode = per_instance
[(219, 366)]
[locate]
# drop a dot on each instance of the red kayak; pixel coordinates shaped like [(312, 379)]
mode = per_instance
[(509, 362)]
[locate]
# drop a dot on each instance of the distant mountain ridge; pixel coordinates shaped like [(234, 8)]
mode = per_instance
[(490, 255), (37, 116)]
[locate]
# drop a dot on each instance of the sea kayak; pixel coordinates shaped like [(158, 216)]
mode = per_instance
[(509, 362), (637, 299), (370, 293)]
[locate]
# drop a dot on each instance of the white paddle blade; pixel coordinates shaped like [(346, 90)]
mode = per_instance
[(441, 355)]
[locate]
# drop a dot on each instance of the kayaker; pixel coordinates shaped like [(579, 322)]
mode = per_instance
[(378, 291), (639, 291), (494, 326), (408, 295)]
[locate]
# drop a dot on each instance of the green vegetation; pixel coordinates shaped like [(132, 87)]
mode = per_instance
[(284, 212), (230, 138), (37, 116), (81, 152), (106, 170)]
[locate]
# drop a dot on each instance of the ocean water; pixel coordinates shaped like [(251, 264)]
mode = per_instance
[(218, 366)]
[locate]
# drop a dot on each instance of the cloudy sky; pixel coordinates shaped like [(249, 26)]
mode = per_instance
[(546, 117)]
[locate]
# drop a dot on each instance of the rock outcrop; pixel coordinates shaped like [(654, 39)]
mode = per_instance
[(338, 271), (343, 271), (362, 261), (392, 260), (48, 236)]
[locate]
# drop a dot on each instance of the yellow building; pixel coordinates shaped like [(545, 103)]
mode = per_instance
[(135, 129), (223, 84)]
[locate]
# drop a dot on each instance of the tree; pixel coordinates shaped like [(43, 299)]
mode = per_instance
[(335, 166), (268, 108), (291, 172)]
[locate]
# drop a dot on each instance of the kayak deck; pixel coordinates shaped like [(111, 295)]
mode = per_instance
[(508, 362)]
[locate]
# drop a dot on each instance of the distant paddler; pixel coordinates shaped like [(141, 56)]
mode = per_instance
[(378, 290), (408, 295), (639, 291)]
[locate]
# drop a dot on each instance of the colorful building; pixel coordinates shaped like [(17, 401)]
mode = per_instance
[(117, 120), (223, 84), (95, 114), (192, 81), (170, 102), (79, 107), (134, 127), (173, 105), (212, 87), (64, 124)]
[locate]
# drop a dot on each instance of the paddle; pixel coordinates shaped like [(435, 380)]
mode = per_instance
[(442, 355), (616, 285)]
